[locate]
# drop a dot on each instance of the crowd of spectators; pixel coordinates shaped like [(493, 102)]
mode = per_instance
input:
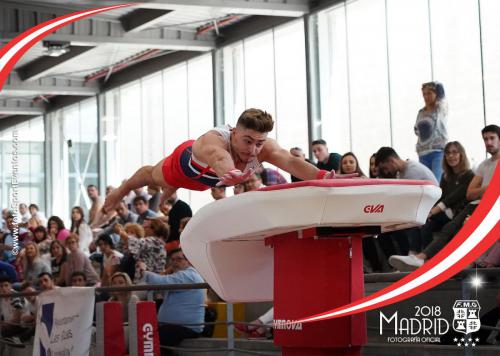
[(139, 243)]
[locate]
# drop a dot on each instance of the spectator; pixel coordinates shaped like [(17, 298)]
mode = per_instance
[(454, 182), (154, 201), (475, 191), (123, 216), (24, 215), (33, 265), (11, 310), (179, 307), (349, 164), (491, 258), (6, 269), (140, 192), (96, 206), (218, 192), (58, 262), (78, 279), (141, 207), (165, 208), (5, 213), (57, 230), (28, 318), (239, 188), (46, 282), (78, 261), (255, 331), (111, 258), (325, 160), (430, 127), (109, 189), (41, 238), (391, 166), (37, 218), (151, 248), (271, 176), (297, 152), (81, 228), (120, 279), (253, 182), (180, 209), (7, 240), (373, 166)]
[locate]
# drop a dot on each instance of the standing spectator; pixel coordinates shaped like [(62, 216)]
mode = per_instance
[(33, 265), (477, 187), (141, 207), (179, 306), (81, 228), (78, 261), (218, 192), (430, 127), (57, 230), (180, 209), (58, 262), (327, 161), (96, 206), (111, 258), (297, 152), (349, 164), (24, 214)]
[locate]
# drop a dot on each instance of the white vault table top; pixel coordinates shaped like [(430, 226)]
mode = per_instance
[(225, 239)]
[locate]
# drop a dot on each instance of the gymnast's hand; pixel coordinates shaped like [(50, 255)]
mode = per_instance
[(322, 174), (234, 177)]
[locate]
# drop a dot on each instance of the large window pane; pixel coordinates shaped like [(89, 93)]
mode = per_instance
[(367, 51), (457, 64), (152, 119), (291, 89), (234, 82), (201, 118), (410, 66)]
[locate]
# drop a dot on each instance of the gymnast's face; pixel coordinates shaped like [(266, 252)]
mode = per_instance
[(247, 143)]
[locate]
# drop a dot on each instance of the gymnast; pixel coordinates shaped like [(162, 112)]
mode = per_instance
[(223, 156)]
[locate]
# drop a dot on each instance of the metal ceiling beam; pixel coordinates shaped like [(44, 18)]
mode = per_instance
[(48, 86), (184, 41), (20, 107), (141, 19), (9, 121), (40, 67)]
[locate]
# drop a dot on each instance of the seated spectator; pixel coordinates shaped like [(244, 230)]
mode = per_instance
[(33, 265), (58, 262), (120, 279), (172, 245), (151, 248), (78, 261), (37, 218), (154, 202), (297, 152), (455, 179), (373, 166), (42, 240), (7, 240), (255, 331), (6, 269), (141, 207), (24, 215), (46, 282), (179, 307), (239, 188), (475, 191), (56, 228), (253, 182), (491, 258), (218, 192), (11, 310), (28, 318), (325, 160), (109, 189), (81, 228), (349, 164), (78, 279), (111, 258), (271, 176), (180, 209), (390, 165), (165, 208)]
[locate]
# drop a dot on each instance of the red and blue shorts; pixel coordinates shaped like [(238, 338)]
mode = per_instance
[(181, 171)]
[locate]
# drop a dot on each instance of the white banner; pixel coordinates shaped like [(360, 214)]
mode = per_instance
[(64, 322)]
